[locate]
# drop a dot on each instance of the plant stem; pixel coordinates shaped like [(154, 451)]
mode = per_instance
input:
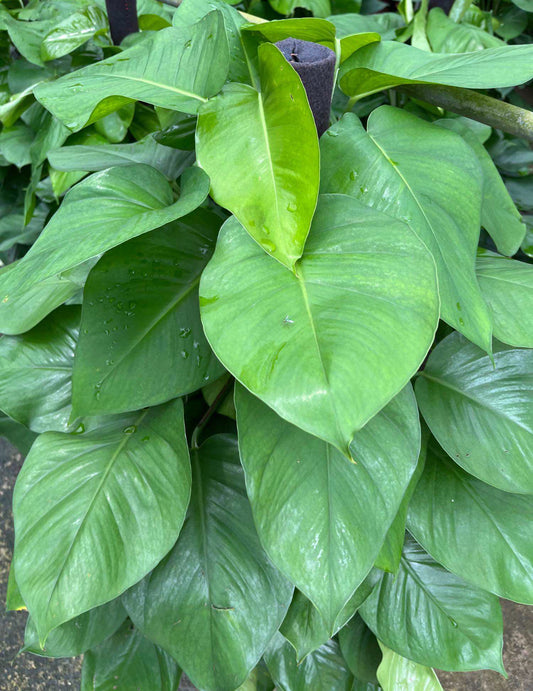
[(498, 114), (221, 395)]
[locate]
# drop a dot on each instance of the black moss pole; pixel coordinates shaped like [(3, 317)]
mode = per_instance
[(316, 66), (122, 15)]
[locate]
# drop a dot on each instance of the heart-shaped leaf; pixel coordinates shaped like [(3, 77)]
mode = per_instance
[(429, 178), (328, 346), (95, 512), (173, 69), (433, 617), (352, 506), (507, 286), (103, 211), (475, 530), (481, 412), (141, 307), (245, 143), (215, 602), (36, 372)]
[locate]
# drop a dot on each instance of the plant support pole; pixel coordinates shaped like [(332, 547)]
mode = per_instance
[(123, 21), (471, 104)]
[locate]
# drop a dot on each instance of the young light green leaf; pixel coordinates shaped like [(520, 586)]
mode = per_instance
[(433, 617), (73, 32), (427, 177), (388, 64), (95, 512), (101, 212), (129, 661), (353, 503), (215, 602), (172, 69), (322, 669), (141, 307), (78, 635), (475, 530), (397, 673), (36, 372), (329, 346), (499, 215), (246, 144), (481, 412), (507, 286)]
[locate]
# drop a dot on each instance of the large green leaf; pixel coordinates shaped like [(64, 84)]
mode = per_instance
[(78, 635), (216, 601), (94, 157), (24, 310), (95, 512), (20, 436), (141, 307), (447, 36), (129, 662), (329, 346), (73, 32), (475, 530), (323, 669), (387, 64), (384, 24), (327, 545), (507, 286), (36, 372), (427, 177), (173, 69), (397, 673), (360, 649), (101, 212), (433, 617), (246, 144), (305, 628), (482, 412), (320, 8), (499, 215)]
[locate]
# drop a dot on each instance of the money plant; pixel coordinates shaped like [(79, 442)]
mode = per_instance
[(271, 362)]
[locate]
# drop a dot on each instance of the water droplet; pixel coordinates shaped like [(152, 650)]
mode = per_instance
[(108, 321), (287, 321), (109, 363), (461, 321), (332, 133), (454, 623), (268, 245), (266, 230), (145, 438), (80, 429), (184, 354), (130, 429), (5, 298), (353, 174), (196, 344), (184, 332), (85, 331), (458, 305), (291, 206), (132, 305), (107, 332)]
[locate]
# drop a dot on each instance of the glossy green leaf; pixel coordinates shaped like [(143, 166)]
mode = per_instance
[(245, 143), (507, 286), (328, 545), (259, 680), (129, 662), (95, 512), (360, 649), (78, 635), (482, 413), (433, 617), (390, 554), (192, 11), (397, 673), (305, 628), (447, 36), (20, 436), (24, 310), (73, 32), (216, 601), (499, 215), (27, 37), (114, 126), (384, 24), (141, 307), (15, 143), (475, 530), (36, 372), (90, 157), (430, 179), (329, 346), (101, 212), (387, 64), (14, 601), (320, 8), (322, 669), (172, 69)]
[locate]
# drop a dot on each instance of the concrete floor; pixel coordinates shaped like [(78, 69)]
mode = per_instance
[(31, 673)]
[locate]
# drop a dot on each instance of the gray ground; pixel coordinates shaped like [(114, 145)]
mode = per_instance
[(30, 673)]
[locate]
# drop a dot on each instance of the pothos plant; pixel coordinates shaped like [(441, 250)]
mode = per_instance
[(282, 385)]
